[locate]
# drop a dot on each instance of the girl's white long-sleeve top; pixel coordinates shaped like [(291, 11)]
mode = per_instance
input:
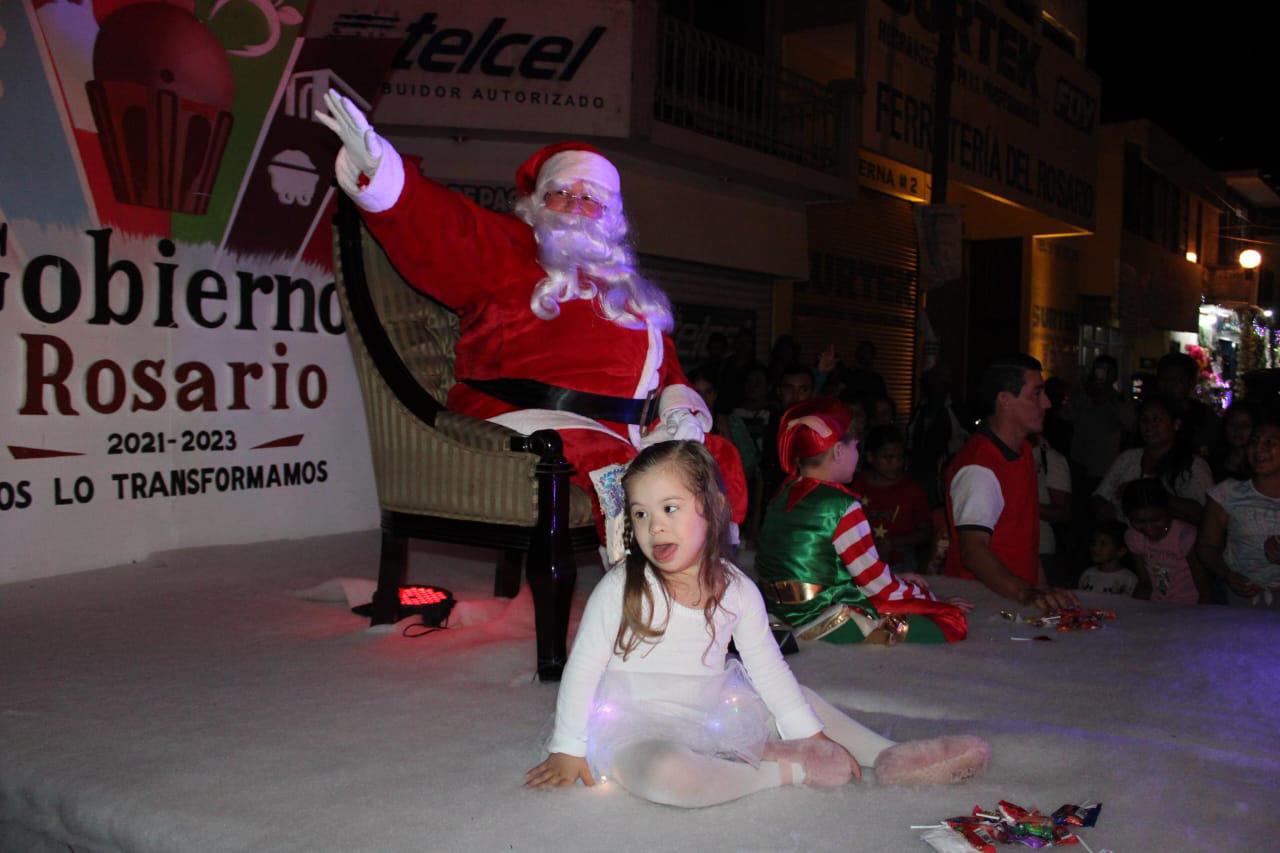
[(685, 649)]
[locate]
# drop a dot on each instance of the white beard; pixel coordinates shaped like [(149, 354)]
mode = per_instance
[(587, 258)]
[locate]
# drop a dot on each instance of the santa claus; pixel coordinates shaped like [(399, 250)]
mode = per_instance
[(557, 328)]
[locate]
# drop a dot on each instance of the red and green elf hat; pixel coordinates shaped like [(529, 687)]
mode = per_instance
[(808, 429)]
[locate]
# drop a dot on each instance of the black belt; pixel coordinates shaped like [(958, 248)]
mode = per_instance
[(532, 394)]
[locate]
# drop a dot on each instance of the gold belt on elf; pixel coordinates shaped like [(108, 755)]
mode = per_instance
[(790, 592), (878, 630)]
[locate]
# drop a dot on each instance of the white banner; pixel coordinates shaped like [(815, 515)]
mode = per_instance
[(153, 402), (175, 367)]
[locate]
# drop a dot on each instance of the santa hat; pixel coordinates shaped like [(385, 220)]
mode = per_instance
[(810, 428), (564, 163)]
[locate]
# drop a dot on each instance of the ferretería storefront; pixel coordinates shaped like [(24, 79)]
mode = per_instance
[(1022, 175)]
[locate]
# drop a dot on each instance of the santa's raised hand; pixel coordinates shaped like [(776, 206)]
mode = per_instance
[(360, 168)]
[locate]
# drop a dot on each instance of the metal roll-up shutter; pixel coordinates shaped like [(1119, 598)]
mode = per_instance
[(862, 286), (710, 298)]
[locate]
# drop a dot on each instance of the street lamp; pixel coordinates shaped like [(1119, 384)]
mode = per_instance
[(1250, 259)]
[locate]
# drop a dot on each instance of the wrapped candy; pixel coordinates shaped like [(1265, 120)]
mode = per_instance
[(1010, 823), (1070, 619), (976, 834), (1085, 815), (943, 839), (1062, 837)]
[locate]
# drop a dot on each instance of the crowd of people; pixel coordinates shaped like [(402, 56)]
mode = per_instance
[(1162, 498), (1177, 502)]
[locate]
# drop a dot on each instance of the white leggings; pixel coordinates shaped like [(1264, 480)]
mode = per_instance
[(674, 775)]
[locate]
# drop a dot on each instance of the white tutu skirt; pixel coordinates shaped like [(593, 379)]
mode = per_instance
[(719, 715)]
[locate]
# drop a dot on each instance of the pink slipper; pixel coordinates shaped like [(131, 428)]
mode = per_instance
[(826, 764), (937, 761)]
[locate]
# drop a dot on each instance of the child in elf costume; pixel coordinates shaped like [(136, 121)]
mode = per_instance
[(817, 561)]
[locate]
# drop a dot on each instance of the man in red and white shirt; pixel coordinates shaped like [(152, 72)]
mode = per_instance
[(993, 506)]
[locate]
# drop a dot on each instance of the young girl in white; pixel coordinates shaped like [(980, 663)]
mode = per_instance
[(646, 699)]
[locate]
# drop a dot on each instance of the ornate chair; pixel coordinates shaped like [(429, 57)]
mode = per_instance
[(445, 476)]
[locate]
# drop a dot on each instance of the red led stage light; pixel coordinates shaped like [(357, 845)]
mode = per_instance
[(431, 602)]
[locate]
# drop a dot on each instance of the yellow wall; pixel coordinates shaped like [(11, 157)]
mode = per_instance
[(1053, 325)]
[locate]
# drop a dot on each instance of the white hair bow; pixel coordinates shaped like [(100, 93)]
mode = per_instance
[(814, 423)]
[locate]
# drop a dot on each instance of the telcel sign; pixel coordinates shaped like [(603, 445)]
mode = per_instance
[(555, 66)]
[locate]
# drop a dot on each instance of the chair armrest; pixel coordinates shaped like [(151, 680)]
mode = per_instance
[(473, 432)]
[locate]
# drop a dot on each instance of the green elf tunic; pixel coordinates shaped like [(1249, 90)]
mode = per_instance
[(817, 553)]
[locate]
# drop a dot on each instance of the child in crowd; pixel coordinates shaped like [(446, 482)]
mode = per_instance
[(646, 698), (1240, 533), (1162, 547), (817, 560), (1108, 553), (895, 504)]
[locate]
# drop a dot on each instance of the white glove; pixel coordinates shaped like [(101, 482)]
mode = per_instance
[(676, 425), (362, 147), (685, 416)]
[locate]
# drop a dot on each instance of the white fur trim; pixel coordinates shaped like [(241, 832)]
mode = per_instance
[(569, 166), (529, 421), (384, 187)]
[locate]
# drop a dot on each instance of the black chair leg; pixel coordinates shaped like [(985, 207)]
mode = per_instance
[(551, 570), (392, 569), (506, 579)]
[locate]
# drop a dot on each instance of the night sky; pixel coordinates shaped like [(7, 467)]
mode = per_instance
[(1209, 81)]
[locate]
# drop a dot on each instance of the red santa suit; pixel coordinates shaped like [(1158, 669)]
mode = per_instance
[(484, 266)]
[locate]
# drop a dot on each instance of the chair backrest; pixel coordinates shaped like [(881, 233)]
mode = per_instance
[(409, 336), (421, 330)]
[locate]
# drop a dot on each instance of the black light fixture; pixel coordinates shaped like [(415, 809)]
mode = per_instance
[(432, 603)]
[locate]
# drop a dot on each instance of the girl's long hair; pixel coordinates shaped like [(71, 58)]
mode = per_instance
[(698, 469)]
